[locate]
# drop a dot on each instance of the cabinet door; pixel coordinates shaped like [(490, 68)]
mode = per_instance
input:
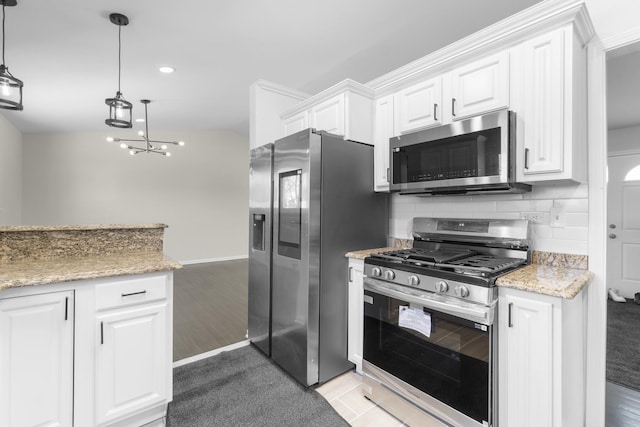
[(355, 316), (295, 123), (329, 115), (543, 105), (131, 360), (385, 129), (419, 105), (526, 362), (480, 86), (36, 360)]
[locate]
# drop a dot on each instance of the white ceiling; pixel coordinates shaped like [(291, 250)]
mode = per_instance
[(65, 51)]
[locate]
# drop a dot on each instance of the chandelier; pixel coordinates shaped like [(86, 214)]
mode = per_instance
[(119, 108), (10, 86), (150, 145)]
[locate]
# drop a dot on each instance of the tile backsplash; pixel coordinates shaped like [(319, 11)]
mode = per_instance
[(563, 210)]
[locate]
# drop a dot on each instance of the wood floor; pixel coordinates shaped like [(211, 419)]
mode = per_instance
[(210, 306)]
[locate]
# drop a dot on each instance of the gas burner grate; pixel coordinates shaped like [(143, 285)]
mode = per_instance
[(482, 264)]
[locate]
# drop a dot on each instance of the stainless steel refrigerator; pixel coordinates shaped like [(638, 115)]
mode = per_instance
[(323, 206)]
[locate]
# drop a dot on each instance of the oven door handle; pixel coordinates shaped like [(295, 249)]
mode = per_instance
[(482, 314)]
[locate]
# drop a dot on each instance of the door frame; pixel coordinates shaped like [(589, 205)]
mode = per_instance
[(598, 160)]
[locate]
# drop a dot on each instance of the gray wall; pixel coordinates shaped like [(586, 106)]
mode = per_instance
[(201, 191), (10, 174)]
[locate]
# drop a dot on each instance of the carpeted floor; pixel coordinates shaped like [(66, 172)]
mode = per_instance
[(243, 388), (623, 343)]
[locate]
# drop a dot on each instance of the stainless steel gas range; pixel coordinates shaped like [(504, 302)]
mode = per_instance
[(429, 313)]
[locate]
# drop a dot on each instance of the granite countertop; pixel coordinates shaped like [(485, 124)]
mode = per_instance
[(548, 280), (65, 269), (366, 252), (17, 228)]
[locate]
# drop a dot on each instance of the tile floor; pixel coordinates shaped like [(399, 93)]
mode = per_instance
[(345, 395)]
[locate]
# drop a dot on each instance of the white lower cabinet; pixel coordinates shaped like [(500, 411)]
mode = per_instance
[(36, 360), (541, 359), (356, 312), (87, 353), (131, 361)]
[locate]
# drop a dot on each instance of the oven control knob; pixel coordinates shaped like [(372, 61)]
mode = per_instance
[(462, 291), (389, 275), (414, 280), (376, 272), (442, 287)]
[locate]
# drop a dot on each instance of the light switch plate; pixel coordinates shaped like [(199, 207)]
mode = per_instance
[(558, 218)]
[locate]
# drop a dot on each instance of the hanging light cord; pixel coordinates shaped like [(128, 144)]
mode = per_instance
[(119, 53), (3, 33)]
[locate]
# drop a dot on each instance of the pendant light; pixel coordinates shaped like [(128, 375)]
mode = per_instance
[(119, 108), (151, 145), (10, 86)]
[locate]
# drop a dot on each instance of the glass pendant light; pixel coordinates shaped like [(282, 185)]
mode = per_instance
[(10, 86), (119, 108)]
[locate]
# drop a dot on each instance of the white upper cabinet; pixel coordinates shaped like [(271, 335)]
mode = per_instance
[(329, 115), (384, 129), (295, 123), (419, 106), (480, 86), (345, 109), (551, 108)]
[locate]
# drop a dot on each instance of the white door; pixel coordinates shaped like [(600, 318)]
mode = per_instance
[(623, 259), (36, 360), (132, 354)]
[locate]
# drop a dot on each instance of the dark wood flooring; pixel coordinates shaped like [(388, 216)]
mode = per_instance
[(210, 306)]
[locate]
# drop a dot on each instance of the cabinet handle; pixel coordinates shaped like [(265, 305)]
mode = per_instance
[(388, 175), (435, 112), (453, 107), (510, 309), (101, 333), (526, 158), (66, 308), (134, 293), (350, 277)]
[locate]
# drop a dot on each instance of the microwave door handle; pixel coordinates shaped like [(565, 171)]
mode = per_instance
[(427, 302)]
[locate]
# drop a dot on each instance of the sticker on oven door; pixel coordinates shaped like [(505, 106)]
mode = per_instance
[(415, 319)]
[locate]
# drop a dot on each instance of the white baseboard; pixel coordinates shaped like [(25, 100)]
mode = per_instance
[(226, 258), (210, 353)]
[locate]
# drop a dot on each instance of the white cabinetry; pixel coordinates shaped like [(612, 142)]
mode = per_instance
[(480, 86), (329, 115), (296, 123), (132, 354), (420, 105), (345, 109), (541, 359), (356, 312), (552, 108), (384, 129), (36, 360)]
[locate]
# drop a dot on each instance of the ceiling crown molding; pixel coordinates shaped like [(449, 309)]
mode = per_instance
[(543, 16)]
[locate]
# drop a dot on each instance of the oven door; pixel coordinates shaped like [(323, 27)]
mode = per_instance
[(441, 353)]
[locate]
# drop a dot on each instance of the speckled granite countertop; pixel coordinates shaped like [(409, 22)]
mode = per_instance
[(547, 280), (40, 255), (56, 270)]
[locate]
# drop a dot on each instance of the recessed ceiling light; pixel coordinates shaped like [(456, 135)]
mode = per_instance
[(167, 70)]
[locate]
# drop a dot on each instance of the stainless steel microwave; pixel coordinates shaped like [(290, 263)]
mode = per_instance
[(471, 156)]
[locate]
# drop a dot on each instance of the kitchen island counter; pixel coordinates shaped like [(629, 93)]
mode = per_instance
[(40, 255), (65, 269)]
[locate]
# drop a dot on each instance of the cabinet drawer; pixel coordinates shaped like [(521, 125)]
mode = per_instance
[(129, 292)]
